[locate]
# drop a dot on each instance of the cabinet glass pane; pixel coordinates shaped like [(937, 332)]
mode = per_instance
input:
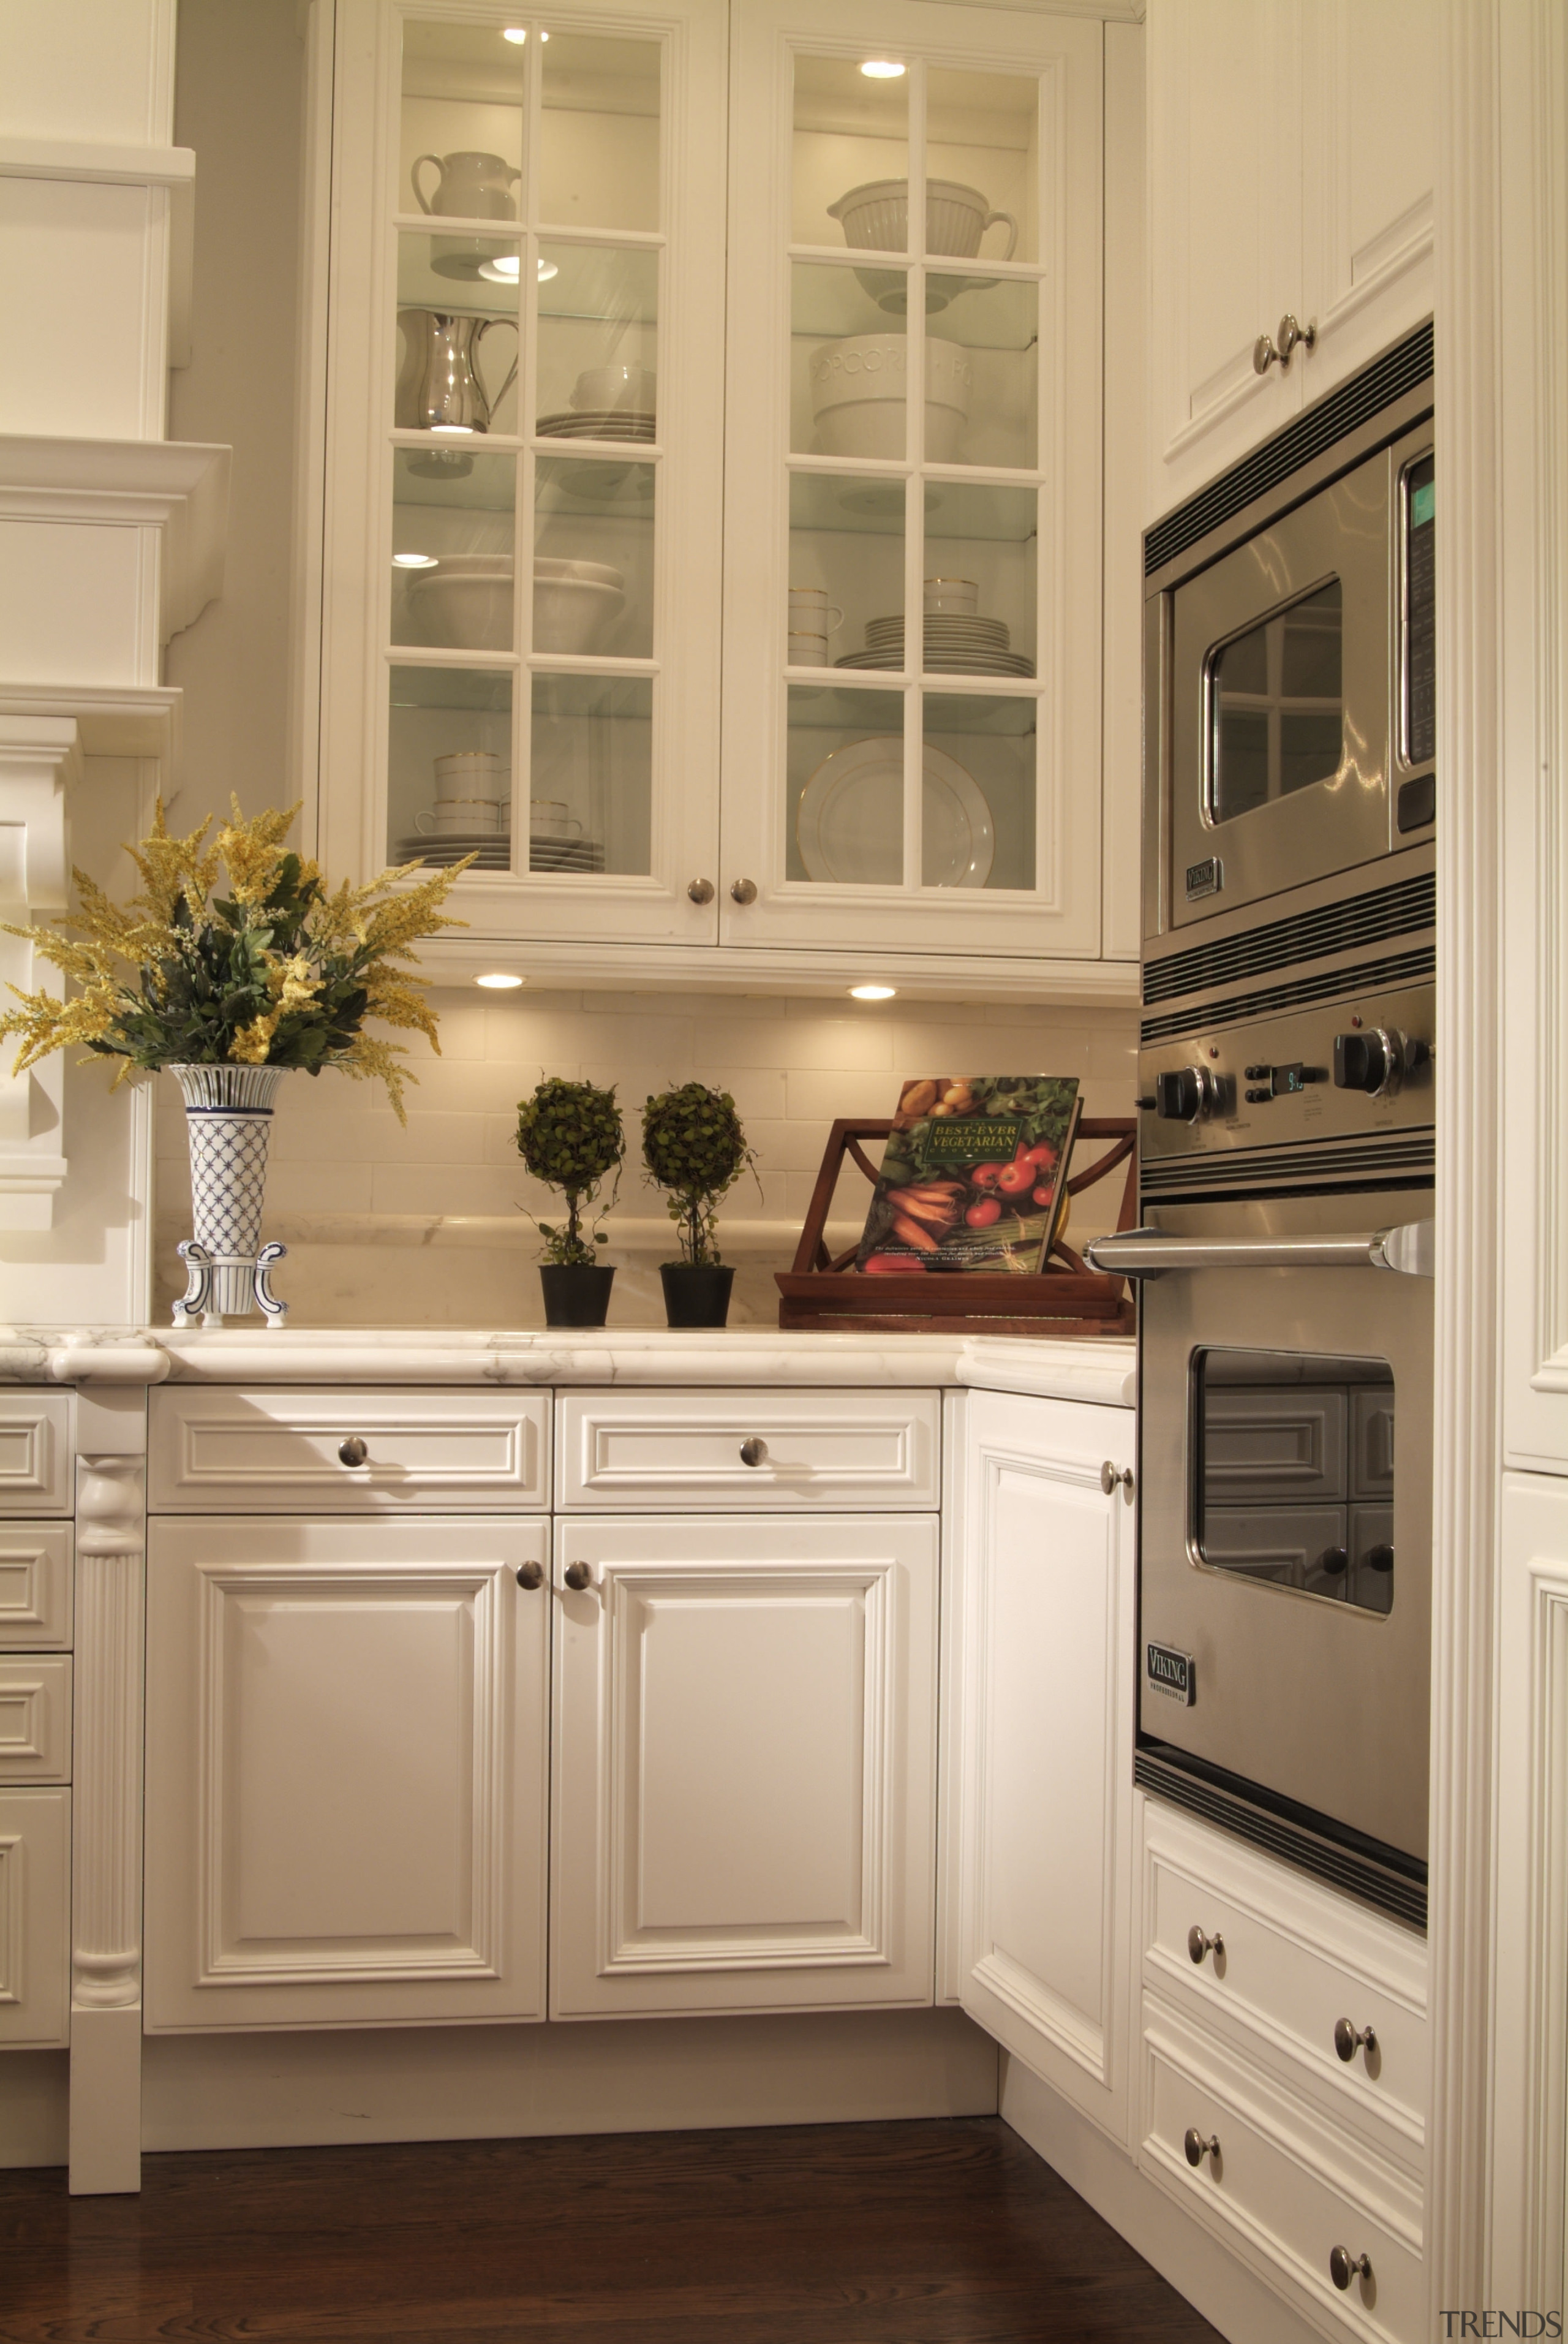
[(983, 160), (848, 360), (452, 540), (460, 132), (597, 341), (457, 351), (852, 155), (846, 571), (593, 557), (980, 794), (592, 775), (464, 806), (982, 352), (599, 132), (844, 810), (980, 574)]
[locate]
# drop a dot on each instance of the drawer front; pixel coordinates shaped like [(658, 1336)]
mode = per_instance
[(829, 1451), (34, 1586), (277, 1452), (1285, 2186), (36, 1718), (34, 1918), (1295, 1959), (34, 1453)]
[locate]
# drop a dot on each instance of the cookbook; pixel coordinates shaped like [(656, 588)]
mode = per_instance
[(974, 1176)]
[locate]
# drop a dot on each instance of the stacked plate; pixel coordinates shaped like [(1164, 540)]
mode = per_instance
[(604, 424), (491, 850), (565, 853), (953, 646)]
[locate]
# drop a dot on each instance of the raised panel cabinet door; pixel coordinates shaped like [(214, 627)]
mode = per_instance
[(346, 1777), (36, 1451), (1045, 1777), (1225, 237), (744, 1804), (1368, 166), (34, 1918)]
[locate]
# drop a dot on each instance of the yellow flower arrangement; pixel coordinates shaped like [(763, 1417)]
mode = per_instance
[(279, 971)]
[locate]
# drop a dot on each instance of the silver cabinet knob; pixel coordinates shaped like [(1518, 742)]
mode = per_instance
[(753, 1453), (1197, 2148), (701, 891), (1293, 337), (1114, 1477), (1343, 2266), (577, 1575), (1349, 2040), (744, 891), (530, 1575), (1264, 354), (1198, 1945), (353, 1450)]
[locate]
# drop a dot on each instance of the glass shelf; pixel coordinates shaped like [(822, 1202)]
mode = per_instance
[(600, 131), (988, 535), (845, 544)]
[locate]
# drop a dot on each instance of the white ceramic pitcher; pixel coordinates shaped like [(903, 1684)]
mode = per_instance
[(470, 185)]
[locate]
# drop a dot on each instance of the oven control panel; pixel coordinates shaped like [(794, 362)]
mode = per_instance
[(1342, 1069)]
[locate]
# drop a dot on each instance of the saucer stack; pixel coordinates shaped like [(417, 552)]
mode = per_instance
[(548, 852), (954, 645), (491, 850), (605, 424)]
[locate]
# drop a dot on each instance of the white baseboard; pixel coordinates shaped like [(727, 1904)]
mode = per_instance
[(35, 2108), (1230, 2297), (486, 2083)]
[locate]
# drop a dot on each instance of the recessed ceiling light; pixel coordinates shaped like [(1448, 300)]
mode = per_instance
[(872, 992), (413, 561), (883, 69), (500, 980)]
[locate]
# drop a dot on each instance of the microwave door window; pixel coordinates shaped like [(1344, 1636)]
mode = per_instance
[(1276, 706), (1292, 1473)]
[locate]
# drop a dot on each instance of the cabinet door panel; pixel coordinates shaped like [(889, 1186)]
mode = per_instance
[(1044, 1798), (35, 1587), (1224, 127), (744, 1806), (346, 1773), (35, 1917), (34, 1453)]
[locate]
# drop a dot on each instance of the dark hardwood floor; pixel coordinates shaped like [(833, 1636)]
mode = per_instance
[(926, 2233)]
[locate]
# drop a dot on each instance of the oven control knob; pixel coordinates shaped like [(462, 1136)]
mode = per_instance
[(1377, 1061), (1184, 1095)]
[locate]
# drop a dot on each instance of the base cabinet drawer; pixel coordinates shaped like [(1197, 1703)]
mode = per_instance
[(377, 1451), (36, 1450), (34, 1919), (744, 1765), (34, 1717), (34, 1586), (778, 1452), (346, 1771), (1304, 2203)]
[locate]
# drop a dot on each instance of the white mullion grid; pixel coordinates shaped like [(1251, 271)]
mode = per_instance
[(1048, 701), (527, 379), (914, 497)]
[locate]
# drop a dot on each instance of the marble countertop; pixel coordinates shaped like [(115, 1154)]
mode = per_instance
[(1090, 1369)]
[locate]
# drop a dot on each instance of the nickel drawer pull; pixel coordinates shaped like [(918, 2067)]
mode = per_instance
[(353, 1450), (530, 1575), (1198, 1945), (578, 1576), (1349, 2040), (1197, 2148), (754, 1452), (1343, 2266)]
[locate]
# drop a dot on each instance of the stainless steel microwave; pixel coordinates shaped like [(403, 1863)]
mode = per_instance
[(1289, 690)]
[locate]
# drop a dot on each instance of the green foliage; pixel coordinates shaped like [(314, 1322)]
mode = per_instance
[(569, 1135), (695, 1148)]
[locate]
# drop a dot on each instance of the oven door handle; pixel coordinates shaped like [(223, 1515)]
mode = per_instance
[(1149, 1253)]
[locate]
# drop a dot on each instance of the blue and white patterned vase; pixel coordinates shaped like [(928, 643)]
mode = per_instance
[(228, 1120)]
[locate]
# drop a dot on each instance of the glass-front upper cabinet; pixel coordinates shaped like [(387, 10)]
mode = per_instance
[(523, 474), (913, 694)]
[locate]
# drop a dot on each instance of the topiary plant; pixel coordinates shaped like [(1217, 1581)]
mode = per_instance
[(569, 1135), (695, 1148)]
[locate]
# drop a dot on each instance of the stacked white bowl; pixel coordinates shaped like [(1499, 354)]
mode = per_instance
[(574, 604), (465, 603), (859, 394)]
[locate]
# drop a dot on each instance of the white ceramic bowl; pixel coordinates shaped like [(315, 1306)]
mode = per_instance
[(465, 603), (876, 218), (548, 566), (615, 390), (858, 395), (573, 614)]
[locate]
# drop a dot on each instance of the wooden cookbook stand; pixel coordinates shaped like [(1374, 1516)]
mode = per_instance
[(1064, 1299)]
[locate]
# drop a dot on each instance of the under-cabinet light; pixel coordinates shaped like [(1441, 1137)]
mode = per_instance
[(500, 981), (520, 32), (872, 992), (452, 426), (882, 69), (413, 561)]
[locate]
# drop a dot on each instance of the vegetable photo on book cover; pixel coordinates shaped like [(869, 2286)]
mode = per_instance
[(973, 1176)]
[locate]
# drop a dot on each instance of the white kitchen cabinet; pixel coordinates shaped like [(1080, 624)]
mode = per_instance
[(734, 1450), (1044, 1787), (36, 1588), (36, 1451), (744, 1768), (346, 1771), (1291, 154), (34, 1919)]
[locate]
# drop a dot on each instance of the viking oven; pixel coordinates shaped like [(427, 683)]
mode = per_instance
[(1284, 1255)]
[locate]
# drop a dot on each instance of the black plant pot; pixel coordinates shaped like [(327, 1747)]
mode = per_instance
[(696, 1294), (576, 1293)]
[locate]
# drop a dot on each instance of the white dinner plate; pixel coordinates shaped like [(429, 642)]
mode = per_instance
[(849, 824)]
